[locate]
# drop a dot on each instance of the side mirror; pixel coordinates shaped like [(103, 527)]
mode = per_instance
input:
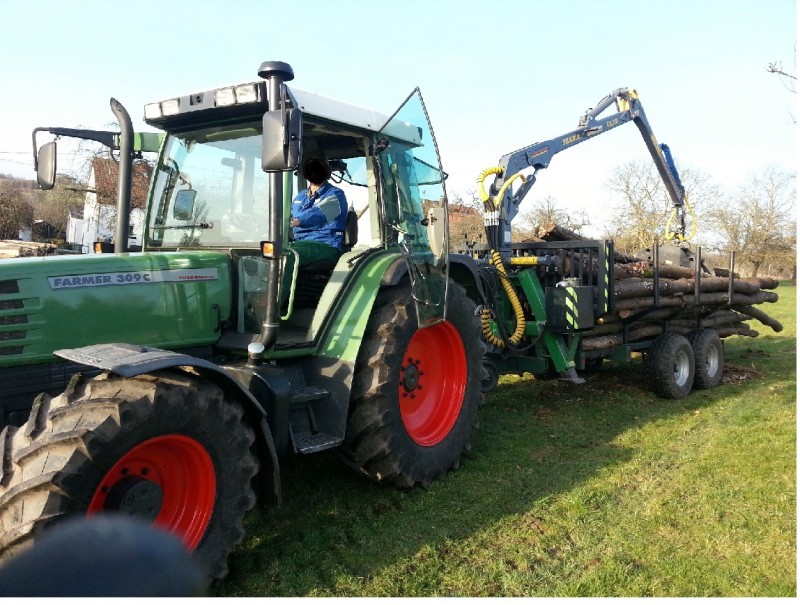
[(46, 165), (183, 210), (281, 140)]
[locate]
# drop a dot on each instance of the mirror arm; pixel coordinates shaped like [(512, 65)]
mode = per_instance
[(101, 136)]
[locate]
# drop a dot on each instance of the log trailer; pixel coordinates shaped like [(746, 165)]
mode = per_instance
[(558, 306), (169, 383)]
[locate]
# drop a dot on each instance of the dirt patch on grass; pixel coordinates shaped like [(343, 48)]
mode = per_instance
[(734, 374)]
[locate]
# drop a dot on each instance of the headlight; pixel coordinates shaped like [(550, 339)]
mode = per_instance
[(151, 111), (224, 97), (246, 93), (171, 107)]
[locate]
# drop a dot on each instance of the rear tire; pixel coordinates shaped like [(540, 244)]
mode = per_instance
[(168, 447), (671, 366), (709, 358), (416, 392)]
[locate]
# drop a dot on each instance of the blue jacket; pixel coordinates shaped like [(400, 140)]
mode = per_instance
[(322, 216)]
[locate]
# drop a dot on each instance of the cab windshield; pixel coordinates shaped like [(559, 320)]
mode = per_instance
[(210, 190)]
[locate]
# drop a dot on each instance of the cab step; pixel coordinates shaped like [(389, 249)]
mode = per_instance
[(303, 428)]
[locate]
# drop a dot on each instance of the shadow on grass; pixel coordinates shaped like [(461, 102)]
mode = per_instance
[(537, 439)]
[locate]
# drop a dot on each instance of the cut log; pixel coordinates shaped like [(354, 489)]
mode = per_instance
[(645, 269), (737, 330), (551, 232), (762, 317), (706, 298), (634, 287)]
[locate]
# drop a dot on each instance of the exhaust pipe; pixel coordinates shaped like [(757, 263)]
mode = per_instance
[(125, 172), (275, 73)]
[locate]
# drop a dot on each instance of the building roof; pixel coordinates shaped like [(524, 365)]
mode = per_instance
[(106, 173)]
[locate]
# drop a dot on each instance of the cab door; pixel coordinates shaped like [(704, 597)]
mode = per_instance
[(414, 204)]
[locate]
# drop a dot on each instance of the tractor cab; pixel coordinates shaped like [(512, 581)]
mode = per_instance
[(218, 187)]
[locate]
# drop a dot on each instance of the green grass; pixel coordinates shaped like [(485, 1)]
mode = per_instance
[(594, 490)]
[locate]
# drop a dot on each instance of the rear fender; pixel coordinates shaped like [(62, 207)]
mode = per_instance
[(333, 364), (129, 360)]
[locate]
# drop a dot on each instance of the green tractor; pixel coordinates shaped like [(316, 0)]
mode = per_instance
[(168, 383)]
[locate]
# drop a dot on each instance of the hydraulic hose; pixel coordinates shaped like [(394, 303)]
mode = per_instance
[(670, 235), (482, 177), (484, 195), (496, 260), (498, 198)]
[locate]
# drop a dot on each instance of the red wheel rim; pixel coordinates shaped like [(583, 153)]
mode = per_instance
[(176, 468), (433, 379)]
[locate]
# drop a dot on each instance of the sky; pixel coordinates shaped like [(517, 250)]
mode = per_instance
[(494, 76)]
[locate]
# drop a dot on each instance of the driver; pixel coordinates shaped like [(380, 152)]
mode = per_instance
[(319, 216), (319, 213)]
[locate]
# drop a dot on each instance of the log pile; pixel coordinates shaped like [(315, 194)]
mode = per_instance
[(718, 303), (14, 248)]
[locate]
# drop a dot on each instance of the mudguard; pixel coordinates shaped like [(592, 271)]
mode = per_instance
[(129, 360)]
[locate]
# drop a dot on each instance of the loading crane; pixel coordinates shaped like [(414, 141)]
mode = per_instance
[(501, 204)]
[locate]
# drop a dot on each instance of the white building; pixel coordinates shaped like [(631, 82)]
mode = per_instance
[(100, 207)]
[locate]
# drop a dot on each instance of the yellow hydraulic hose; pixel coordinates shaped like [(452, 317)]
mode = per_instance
[(486, 328), (482, 177), (495, 170), (519, 315), (498, 198), (496, 260)]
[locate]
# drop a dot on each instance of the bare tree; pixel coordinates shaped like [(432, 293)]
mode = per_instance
[(66, 198), (758, 220), (544, 212), (466, 219), (16, 211), (789, 80), (643, 206)]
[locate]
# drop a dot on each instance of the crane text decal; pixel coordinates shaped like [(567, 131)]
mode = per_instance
[(127, 278)]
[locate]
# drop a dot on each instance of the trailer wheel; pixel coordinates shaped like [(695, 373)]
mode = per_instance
[(593, 364), (708, 358), (671, 366), (168, 447), (490, 378), (415, 391)]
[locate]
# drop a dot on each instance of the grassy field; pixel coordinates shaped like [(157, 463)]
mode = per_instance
[(594, 490)]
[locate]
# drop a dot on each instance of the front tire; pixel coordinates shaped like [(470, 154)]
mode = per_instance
[(416, 391), (168, 447)]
